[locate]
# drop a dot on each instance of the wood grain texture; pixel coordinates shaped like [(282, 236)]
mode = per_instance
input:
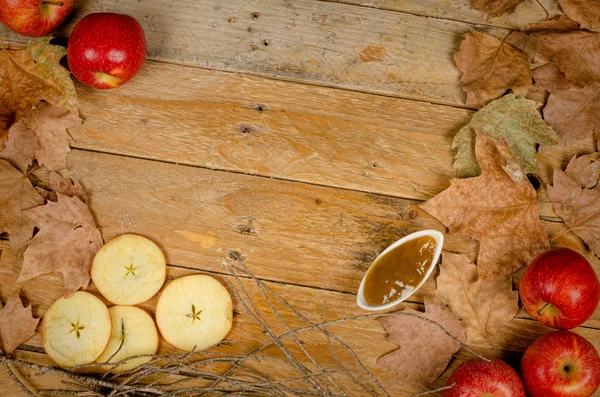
[(310, 41), (291, 131), (460, 10), (508, 344), (287, 230)]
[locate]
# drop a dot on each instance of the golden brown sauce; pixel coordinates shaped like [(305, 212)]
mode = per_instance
[(396, 274)]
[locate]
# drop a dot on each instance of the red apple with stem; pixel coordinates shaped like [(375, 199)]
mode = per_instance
[(34, 17), (480, 378), (561, 364), (106, 50), (560, 289)]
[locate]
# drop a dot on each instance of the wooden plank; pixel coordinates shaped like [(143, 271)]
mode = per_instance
[(310, 41), (287, 230), (367, 338), (285, 130), (461, 10)]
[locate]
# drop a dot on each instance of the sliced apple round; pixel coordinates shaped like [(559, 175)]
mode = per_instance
[(135, 329), (194, 312), (75, 331), (129, 269)]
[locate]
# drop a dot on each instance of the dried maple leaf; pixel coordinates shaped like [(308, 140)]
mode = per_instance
[(547, 78), (490, 67), (498, 208), (585, 170), (576, 204), (17, 324), (29, 76), (484, 306), (574, 113), (530, 12), (66, 243), (418, 338), (496, 8), (16, 195), (576, 53), (586, 12), (516, 120), (40, 135)]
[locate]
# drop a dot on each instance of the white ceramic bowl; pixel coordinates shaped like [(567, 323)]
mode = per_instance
[(439, 241)]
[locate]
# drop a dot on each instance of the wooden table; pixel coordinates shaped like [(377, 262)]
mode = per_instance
[(302, 133)]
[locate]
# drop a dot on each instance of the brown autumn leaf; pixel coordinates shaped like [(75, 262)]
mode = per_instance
[(575, 203), (576, 53), (484, 306), (561, 24), (66, 243), (40, 135), (29, 76), (498, 208), (490, 67), (528, 13), (418, 338), (16, 195), (496, 8), (574, 113), (586, 12), (17, 324), (585, 170)]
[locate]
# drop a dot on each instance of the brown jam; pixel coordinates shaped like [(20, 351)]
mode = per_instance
[(396, 274)]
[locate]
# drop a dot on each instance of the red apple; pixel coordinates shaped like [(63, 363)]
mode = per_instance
[(561, 364), (560, 289), (479, 378), (34, 17), (106, 50)]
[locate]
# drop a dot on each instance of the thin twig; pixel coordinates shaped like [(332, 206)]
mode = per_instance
[(424, 393), (15, 378)]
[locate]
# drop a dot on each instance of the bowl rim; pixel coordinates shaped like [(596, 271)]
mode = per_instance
[(439, 241)]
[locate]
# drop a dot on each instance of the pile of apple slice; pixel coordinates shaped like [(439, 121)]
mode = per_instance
[(193, 312)]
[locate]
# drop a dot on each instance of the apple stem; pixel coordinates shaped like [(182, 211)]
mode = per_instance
[(544, 308), (53, 3), (424, 393)]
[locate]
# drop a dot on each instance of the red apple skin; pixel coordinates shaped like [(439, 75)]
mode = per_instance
[(34, 17), (479, 378), (561, 364), (560, 289), (106, 50)]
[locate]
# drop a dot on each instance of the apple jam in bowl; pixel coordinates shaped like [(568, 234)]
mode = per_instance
[(400, 270)]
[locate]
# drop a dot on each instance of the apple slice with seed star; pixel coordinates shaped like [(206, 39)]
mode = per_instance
[(76, 330), (194, 312), (135, 329), (129, 269)]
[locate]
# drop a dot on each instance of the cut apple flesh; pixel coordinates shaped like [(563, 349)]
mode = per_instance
[(194, 312), (129, 269), (134, 331), (75, 331)]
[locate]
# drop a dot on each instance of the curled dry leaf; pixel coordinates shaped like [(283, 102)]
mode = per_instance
[(40, 135), (516, 120), (17, 324), (496, 8), (490, 67), (560, 24), (29, 76), (66, 243), (16, 195), (425, 350), (498, 208), (576, 53), (586, 12), (576, 202), (484, 306)]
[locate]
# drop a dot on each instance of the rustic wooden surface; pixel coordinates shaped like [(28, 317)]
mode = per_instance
[(309, 159)]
